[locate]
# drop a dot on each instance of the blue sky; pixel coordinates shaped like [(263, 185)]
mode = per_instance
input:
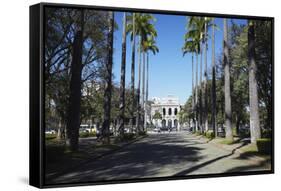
[(169, 72)]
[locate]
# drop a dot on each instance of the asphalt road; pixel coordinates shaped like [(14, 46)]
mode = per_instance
[(161, 155)]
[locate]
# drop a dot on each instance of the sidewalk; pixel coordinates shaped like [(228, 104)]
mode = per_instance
[(238, 147)]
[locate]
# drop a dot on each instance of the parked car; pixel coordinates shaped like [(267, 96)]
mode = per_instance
[(156, 129), (50, 131), (84, 130)]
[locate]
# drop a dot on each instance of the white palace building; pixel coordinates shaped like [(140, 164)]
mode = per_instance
[(169, 108)]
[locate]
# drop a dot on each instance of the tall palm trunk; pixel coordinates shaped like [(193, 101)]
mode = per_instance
[(73, 118), (108, 79), (138, 91), (254, 107), (146, 92), (143, 91), (196, 95), (122, 81), (133, 75), (227, 97), (205, 79), (193, 91), (200, 90), (213, 82)]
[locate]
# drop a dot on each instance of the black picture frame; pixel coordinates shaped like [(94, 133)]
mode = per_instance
[(37, 92)]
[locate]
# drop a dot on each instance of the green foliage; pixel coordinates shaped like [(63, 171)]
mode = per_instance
[(266, 133), (157, 115), (87, 134), (125, 138), (264, 146), (50, 136), (210, 134), (227, 142), (142, 133), (198, 133)]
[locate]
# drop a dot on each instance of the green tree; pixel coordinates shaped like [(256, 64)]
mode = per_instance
[(143, 28), (195, 32)]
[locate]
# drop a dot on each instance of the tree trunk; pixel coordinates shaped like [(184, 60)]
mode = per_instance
[(122, 81), (200, 90), (143, 92), (196, 95), (108, 79), (60, 135), (254, 107), (238, 119), (205, 79), (73, 119), (193, 93), (138, 91), (214, 126), (133, 76), (227, 97), (146, 93)]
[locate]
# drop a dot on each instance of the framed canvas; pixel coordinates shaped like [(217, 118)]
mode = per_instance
[(130, 95)]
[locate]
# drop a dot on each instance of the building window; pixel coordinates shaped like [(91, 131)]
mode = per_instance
[(170, 111), (164, 111), (176, 111)]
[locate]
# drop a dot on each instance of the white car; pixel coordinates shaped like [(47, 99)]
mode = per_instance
[(50, 132)]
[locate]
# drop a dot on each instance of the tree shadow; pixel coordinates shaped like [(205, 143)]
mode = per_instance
[(145, 158), (259, 166), (194, 168)]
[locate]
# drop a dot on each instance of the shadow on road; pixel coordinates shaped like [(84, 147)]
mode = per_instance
[(145, 158), (194, 168)]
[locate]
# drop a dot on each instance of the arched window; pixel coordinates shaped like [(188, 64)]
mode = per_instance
[(175, 123), (163, 123), (164, 111), (176, 111), (170, 111)]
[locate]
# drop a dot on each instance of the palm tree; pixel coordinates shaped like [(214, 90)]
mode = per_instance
[(133, 70), (149, 45), (122, 85), (195, 32), (254, 107), (108, 79), (213, 95), (190, 47), (143, 28), (227, 97), (207, 22)]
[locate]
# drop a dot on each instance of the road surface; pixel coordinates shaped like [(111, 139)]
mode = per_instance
[(160, 155)]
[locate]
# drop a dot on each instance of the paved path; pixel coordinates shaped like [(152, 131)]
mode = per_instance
[(160, 155)]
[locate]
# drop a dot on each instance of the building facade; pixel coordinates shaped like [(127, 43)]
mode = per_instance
[(168, 107)]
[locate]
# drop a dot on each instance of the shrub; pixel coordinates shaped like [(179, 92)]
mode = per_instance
[(198, 133), (92, 134), (266, 133), (264, 145), (84, 134), (125, 137), (142, 133), (50, 136), (210, 134)]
